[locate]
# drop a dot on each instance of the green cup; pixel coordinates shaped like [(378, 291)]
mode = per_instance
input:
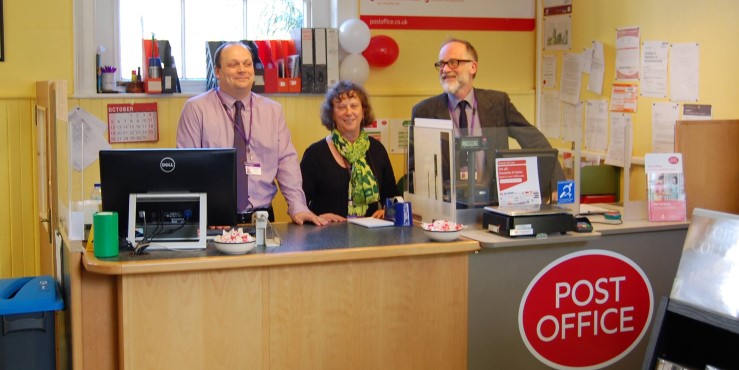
[(105, 234)]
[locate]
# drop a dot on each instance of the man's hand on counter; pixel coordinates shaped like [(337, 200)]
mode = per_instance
[(332, 217), (301, 217)]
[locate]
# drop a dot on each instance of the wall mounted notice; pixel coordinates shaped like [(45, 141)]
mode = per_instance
[(132, 122), (627, 53), (557, 25), (478, 15), (693, 112), (391, 132)]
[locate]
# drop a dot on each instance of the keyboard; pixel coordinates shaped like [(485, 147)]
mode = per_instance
[(213, 232)]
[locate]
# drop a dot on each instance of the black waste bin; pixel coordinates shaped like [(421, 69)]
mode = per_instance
[(27, 332)]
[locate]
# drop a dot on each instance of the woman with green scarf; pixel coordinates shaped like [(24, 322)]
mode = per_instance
[(347, 173)]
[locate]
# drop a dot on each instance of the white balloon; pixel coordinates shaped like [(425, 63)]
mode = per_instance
[(354, 36), (354, 67)]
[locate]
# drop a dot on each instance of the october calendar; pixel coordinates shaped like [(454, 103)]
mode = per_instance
[(132, 122)]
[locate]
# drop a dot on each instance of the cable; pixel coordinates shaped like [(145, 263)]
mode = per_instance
[(159, 230), (164, 246), (619, 222), (143, 243)]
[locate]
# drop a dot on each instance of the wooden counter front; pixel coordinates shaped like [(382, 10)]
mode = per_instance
[(334, 297)]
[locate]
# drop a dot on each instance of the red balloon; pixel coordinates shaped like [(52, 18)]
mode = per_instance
[(382, 51)]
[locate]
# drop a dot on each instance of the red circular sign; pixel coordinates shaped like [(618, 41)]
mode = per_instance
[(585, 310)]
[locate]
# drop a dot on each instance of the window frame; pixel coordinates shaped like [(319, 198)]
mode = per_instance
[(93, 28)]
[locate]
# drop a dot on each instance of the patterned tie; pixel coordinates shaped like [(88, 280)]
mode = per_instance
[(462, 117), (242, 180)]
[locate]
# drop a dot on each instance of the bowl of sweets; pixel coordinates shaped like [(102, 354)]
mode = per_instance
[(234, 241), (442, 230)]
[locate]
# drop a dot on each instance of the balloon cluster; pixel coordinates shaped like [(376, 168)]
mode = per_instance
[(378, 51)]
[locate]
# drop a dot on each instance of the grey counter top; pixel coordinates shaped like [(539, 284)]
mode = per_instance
[(299, 244)]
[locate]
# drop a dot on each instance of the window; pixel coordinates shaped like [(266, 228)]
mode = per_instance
[(201, 21), (187, 24)]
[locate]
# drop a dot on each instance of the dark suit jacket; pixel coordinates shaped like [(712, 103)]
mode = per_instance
[(499, 118)]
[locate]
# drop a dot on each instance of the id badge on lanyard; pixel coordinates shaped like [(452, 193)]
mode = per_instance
[(250, 166)]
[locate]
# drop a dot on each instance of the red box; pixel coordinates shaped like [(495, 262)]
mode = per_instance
[(283, 85), (294, 85), (604, 198)]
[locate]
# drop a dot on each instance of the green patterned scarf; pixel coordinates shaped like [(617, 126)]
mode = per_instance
[(363, 188)]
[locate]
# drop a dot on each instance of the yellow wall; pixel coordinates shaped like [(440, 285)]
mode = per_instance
[(39, 46), (506, 62), (712, 25), (18, 242)]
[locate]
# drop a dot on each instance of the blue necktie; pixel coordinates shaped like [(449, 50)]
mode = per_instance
[(242, 180)]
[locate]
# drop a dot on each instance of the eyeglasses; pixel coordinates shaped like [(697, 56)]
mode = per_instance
[(452, 63)]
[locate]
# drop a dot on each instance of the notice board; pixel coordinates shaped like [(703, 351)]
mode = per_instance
[(710, 163)]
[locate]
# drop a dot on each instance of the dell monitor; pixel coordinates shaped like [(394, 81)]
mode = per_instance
[(546, 162), (164, 178)]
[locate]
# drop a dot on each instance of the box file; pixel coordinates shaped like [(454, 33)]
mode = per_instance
[(304, 46), (332, 56), (319, 42)]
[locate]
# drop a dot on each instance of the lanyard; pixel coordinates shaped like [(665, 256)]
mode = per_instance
[(233, 118), (455, 119)]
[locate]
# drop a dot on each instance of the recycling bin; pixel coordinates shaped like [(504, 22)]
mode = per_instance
[(27, 330)]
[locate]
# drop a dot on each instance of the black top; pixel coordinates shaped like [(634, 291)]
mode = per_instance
[(326, 184)]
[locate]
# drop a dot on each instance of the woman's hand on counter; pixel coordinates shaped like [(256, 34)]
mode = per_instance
[(380, 213)]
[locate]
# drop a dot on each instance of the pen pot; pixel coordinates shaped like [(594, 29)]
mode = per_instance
[(108, 81)]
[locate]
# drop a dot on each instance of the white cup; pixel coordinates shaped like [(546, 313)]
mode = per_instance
[(108, 81)]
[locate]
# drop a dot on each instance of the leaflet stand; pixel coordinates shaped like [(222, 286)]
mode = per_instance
[(429, 167), (634, 210), (179, 232)]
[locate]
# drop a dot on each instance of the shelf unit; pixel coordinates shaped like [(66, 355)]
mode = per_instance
[(692, 337)]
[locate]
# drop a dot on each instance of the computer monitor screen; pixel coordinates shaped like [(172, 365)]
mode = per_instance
[(157, 171), (546, 162)]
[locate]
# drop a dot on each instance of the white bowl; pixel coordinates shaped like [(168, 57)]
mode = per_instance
[(443, 236), (235, 248), (442, 230)]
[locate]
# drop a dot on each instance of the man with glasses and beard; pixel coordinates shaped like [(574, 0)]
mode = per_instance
[(478, 112)]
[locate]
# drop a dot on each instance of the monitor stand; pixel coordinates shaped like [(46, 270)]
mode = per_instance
[(163, 219)]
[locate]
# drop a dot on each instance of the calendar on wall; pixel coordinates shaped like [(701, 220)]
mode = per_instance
[(134, 122)]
